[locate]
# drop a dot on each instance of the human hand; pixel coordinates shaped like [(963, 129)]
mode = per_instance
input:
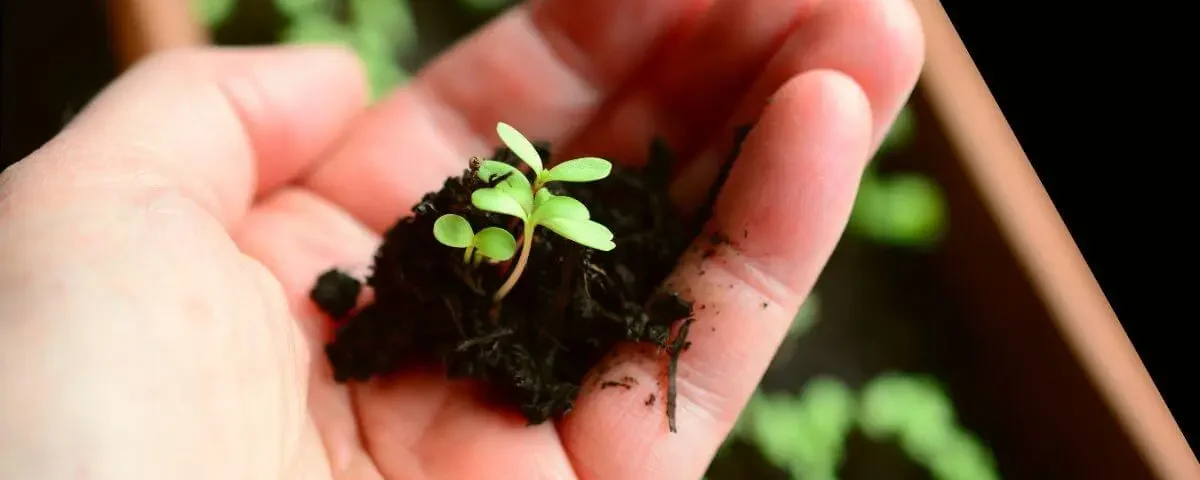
[(154, 320)]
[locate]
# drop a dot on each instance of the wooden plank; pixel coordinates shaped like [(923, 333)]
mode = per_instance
[(142, 27), (1012, 192)]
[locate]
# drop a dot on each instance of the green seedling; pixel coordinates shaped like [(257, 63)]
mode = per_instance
[(586, 169), (534, 205), (916, 412), (492, 243)]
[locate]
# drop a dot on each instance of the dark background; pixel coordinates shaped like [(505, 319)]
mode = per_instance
[(1093, 96), (1087, 115)]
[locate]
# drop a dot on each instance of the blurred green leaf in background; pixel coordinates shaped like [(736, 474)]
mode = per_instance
[(213, 12), (904, 209), (805, 434), (486, 5), (381, 32), (916, 412)]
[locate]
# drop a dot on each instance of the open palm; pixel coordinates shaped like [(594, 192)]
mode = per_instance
[(141, 233)]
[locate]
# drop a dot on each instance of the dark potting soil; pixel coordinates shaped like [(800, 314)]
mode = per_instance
[(566, 313)]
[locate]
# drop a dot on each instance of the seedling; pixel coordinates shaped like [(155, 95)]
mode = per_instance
[(493, 243), (533, 204), (586, 169), (530, 344)]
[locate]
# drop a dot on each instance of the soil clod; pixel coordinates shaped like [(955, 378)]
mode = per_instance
[(336, 293), (572, 306)]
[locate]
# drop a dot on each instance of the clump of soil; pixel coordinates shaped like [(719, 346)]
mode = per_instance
[(571, 306)]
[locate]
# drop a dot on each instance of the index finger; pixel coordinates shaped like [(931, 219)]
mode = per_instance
[(783, 209)]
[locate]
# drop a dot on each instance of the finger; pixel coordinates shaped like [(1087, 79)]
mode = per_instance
[(214, 125), (694, 90), (878, 44), (784, 207), (544, 67), (297, 236)]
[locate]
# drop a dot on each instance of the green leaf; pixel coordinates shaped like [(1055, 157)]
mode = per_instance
[(516, 185), (561, 207), (377, 49), (213, 12), (294, 8), (585, 169), (383, 75), (831, 405), (496, 243), (485, 6), (918, 208), (498, 201), (542, 195), (520, 146), (903, 209), (490, 170), (964, 457), (453, 231), (893, 403), (584, 232), (523, 196), (391, 19), (317, 28)]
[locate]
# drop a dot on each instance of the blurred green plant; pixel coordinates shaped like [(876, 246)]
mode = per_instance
[(906, 208), (915, 412), (381, 32), (806, 434), (486, 5), (213, 12)]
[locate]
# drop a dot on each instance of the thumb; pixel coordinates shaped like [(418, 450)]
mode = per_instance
[(217, 125), (136, 340)]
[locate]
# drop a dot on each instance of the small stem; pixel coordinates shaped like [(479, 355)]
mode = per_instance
[(484, 339), (537, 182), (467, 254), (516, 273)]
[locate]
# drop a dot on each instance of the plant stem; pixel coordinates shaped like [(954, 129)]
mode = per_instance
[(516, 273), (467, 254)]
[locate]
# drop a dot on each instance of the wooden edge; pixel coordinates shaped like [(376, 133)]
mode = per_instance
[(994, 161), (142, 27)]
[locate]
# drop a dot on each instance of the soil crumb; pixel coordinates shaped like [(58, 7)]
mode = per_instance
[(336, 293)]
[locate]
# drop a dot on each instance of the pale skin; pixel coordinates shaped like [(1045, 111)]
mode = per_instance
[(156, 254)]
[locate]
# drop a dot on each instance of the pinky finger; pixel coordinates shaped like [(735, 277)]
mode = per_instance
[(783, 209)]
